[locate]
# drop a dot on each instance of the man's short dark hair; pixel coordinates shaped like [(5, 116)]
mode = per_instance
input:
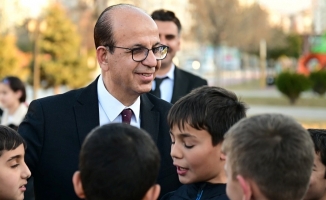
[(166, 16), (319, 138), (118, 161), (9, 139), (209, 108)]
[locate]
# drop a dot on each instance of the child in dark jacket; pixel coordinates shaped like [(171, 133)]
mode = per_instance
[(198, 123)]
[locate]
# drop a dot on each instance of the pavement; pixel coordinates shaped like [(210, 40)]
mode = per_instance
[(317, 114)]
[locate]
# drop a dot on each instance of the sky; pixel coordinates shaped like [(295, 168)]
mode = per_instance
[(286, 6), (32, 8), (283, 6)]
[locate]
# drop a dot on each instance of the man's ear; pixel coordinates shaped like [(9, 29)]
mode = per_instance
[(78, 187), (102, 56), (153, 192), (245, 186)]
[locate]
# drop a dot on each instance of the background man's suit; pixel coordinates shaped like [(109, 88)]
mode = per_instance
[(184, 82), (55, 127)]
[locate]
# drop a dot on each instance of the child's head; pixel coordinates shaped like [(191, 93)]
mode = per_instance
[(12, 90), (268, 156), (13, 170), (317, 187), (198, 122), (118, 161)]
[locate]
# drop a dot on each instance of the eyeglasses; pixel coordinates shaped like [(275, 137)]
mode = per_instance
[(139, 54)]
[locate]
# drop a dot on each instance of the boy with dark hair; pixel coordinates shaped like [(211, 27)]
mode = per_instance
[(198, 122), (13, 170), (317, 187), (268, 156), (118, 161)]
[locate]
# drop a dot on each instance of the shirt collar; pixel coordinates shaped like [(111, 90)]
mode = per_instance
[(170, 73), (111, 106)]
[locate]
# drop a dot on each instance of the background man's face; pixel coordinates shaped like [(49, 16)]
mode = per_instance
[(169, 36)]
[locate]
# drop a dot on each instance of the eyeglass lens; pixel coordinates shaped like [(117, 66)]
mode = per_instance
[(140, 54)]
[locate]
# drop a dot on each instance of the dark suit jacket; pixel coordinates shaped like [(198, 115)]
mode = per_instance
[(55, 127), (184, 82)]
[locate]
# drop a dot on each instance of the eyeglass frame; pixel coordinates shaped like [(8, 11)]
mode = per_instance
[(132, 51)]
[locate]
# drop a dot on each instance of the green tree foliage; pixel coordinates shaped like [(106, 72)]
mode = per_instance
[(292, 84), (9, 58), (62, 62), (291, 47), (318, 79)]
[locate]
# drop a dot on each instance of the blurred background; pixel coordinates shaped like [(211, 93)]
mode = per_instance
[(271, 53)]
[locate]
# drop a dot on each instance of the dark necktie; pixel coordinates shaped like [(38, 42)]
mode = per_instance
[(157, 91), (126, 115)]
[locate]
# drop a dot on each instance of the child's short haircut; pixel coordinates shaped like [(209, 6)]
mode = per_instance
[(118, 161), (209, 108), (274, 151), (9, 139), (319, 138)]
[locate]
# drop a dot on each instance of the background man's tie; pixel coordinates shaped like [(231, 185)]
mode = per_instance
[(157, 91)]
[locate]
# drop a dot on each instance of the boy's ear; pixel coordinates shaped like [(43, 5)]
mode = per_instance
[(223, 156), (245, 186), (153, 192), (78, 187)]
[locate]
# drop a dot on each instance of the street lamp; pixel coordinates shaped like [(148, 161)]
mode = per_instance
[(36, 27)]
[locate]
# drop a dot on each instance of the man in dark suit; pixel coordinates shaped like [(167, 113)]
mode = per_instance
[(172, 83), (128, 51)]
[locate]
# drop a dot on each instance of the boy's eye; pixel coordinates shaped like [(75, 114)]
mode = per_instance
[(14, 166), (172, 142), (188, 146)]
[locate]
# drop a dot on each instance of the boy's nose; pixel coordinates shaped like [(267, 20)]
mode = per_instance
[(175, 151), (26, 173)]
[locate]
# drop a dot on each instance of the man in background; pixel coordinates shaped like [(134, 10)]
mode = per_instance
[(172, 83)]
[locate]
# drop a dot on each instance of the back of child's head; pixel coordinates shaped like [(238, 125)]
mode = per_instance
[(272, 150), (118, 161), (9, 139), (15, 84), (319, 138), (209, 108)]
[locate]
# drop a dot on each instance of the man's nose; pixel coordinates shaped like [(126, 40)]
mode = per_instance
[(151, 60)]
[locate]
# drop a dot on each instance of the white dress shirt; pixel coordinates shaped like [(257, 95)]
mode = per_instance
[(166, 86), (110, 108)]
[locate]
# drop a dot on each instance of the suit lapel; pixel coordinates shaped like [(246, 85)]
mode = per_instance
[(180, 85), (87, 111), (149, 118)]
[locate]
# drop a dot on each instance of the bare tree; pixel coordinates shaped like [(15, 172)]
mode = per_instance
[(226, 22), (214, 20)]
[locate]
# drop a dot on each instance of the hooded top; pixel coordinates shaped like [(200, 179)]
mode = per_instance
[(198, 191)]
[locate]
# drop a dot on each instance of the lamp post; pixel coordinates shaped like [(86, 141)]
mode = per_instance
[(36, 27), (262, 53)]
